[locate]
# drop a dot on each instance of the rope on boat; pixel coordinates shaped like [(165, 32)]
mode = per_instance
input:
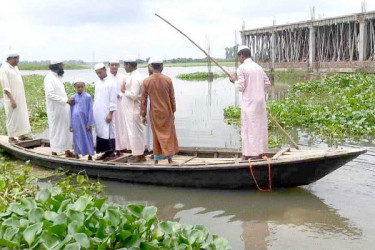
[(269, 175)]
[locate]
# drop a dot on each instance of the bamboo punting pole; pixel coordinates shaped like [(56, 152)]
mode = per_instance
[(228, 74)]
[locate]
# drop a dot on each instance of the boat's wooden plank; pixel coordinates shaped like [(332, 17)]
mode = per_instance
[(278, 154), (210, 161)]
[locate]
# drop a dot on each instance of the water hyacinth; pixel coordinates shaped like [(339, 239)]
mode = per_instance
[(198, 76), (55, 220), (72, 214), (336, 108)]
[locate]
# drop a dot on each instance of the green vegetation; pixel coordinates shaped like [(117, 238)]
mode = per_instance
[(336, 108), (191, 64), (290, 76), (71, 214), (198, 76), (46, 66), (36, 102)]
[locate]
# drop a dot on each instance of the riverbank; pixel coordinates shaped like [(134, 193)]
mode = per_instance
[(46, 66)]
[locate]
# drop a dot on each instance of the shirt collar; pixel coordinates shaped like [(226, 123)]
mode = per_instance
[(248, 60)]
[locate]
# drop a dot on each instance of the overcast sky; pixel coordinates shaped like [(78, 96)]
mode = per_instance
[(102, 29)]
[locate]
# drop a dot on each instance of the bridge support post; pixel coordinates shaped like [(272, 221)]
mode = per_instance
[(311, 48), (362, 46)]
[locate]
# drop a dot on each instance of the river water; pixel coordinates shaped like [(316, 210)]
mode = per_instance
[(336, 212)]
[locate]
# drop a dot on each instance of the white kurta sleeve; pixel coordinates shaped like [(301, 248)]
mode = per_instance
[(135, 89), (240, 83), (5, 81), (50, 93), (112, 97)]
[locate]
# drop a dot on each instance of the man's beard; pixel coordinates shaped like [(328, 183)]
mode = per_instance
[(60, 72)]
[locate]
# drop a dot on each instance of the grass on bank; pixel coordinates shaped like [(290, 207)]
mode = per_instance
[(336, 108), (46, 66)]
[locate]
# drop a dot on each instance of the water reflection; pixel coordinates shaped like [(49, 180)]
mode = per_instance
[(247, 219)]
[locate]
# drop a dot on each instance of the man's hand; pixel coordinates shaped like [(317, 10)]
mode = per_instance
[(123, 88), (88, 128), (232, 78), (71, 129), (144, 120), (109, 117), (70, 101), (119, 96), (13, 104)]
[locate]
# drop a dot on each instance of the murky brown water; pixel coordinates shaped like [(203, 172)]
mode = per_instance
[(336, 212)]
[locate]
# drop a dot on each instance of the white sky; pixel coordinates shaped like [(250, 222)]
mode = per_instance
[(77, 29)]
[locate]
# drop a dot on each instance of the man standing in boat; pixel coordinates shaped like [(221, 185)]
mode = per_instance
[(58, 110), (105, 105), (132, 99), (159, 88), (17, 116), (120, 126), (252, 81)]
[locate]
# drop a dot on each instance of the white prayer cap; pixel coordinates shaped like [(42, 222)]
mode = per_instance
[(114, 60), (11, 53), (130, 58), (242, 47), (155, 60), (99, 66), (79, 79), (55, 61)]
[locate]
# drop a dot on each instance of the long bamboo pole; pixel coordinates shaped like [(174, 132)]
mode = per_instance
[(228, 74)]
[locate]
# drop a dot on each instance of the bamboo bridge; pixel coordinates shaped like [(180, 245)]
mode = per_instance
[(339, 44)]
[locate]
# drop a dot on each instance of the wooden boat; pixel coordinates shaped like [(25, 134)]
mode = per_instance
[(199, 167)]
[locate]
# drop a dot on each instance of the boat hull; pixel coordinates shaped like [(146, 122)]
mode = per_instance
[(284, 173)]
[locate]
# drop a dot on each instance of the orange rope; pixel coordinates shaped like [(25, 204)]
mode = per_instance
[(269, 175)]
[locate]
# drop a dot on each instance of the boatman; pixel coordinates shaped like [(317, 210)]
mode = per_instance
[(163, 106), (252, 81), (17, 116), (132, 98), (105, 105), (120, 126), (58, 110)]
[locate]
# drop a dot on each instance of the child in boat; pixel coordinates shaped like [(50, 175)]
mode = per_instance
[(82, 120)]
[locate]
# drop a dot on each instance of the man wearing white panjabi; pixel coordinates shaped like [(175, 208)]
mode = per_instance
[(252, 82), (105, 105), (132, 98), (17, 116), (58, 110), (122, 141)]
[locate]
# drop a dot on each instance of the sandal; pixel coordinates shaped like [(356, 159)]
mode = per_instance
[(24, 138), (69, 154), (12, 140)]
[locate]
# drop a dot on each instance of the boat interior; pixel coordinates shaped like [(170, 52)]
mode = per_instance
[(186, 156)]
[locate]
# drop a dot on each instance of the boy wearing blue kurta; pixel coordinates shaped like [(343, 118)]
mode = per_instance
[(82, 120)]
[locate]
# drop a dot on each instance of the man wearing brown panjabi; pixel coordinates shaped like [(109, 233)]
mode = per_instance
[(159, 89)]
